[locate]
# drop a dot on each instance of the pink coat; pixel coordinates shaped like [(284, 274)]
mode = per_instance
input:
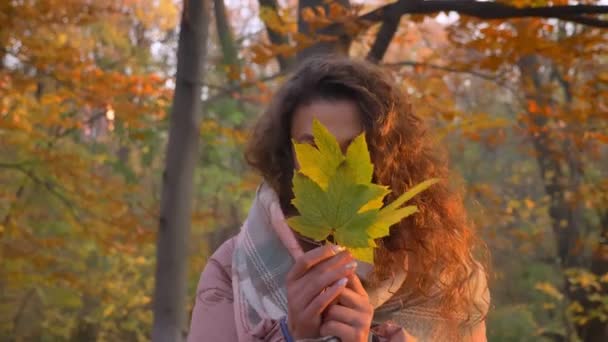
[(213, 317)]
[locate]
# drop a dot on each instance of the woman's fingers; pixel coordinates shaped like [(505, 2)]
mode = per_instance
[(353, 300), (323, 299), (344, 331), (310, 259), (345, 315), (354, 283), (324, 274)]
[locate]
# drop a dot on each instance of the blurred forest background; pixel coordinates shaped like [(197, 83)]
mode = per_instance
[(85, 94)]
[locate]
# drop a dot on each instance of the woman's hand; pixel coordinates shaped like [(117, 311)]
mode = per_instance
[(351, 317), (316, 279)]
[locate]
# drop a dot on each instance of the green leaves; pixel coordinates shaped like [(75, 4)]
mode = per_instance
[(334, 195)]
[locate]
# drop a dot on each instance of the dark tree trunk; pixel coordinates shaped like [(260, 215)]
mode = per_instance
[(176, 198)]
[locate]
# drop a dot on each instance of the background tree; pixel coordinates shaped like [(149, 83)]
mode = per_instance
[(178, 177)]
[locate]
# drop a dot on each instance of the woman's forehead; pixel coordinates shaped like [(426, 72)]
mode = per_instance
[(341, 117)]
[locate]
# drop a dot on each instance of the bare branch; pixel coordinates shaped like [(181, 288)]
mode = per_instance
[(236, 88), (489, 10), (497, 79), (47, 184), (443, 68)]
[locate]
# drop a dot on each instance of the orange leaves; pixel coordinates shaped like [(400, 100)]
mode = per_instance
[(601, 137), (315, 17), (319, 17), (79, 204), (163, 14), (278, 22), (263, 53), (533, 107)]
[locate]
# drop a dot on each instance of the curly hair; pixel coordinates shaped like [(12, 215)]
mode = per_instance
[(404, 154)]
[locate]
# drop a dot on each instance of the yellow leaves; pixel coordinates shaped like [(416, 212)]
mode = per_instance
[(62, 38), (575, 307), (263, 53), (219, 133), (71, 208), (278, 22), (163, 14), (108, 310), (550, 290), (549, 306), (582, 278)]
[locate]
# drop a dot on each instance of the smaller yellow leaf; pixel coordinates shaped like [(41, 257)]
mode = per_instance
[(108, 310), (549, 289)]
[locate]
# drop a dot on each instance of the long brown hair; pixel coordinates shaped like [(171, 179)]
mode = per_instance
[(403, 153)]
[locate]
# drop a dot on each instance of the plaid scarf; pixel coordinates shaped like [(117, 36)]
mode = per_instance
[(261, 261)]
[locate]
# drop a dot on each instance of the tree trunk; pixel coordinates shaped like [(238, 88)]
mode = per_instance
[(176, 198), (226, 38)]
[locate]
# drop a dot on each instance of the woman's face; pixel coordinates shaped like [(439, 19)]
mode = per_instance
[(341, 117)]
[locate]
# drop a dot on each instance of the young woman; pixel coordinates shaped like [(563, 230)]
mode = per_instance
[(270, 284)]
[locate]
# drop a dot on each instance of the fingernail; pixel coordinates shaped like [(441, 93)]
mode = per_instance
[(342, 282), (337, 248), (351, 264)]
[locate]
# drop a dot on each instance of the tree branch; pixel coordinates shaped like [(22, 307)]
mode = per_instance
[(497, 79), (489, 10), (443, 68), (47, 184), (385, 35), (227, 91)]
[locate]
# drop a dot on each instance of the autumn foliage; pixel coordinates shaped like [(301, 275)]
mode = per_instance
[(516, 93)]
